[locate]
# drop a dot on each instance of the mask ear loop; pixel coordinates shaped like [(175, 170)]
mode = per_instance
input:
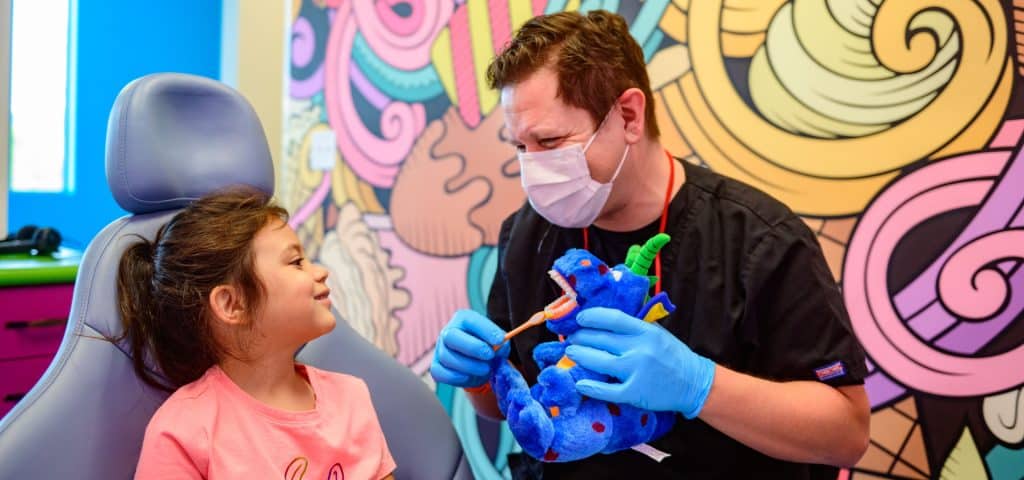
[(622, 161), (594, 136)]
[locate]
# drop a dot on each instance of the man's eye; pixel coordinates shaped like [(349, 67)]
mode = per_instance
[(549, 142)]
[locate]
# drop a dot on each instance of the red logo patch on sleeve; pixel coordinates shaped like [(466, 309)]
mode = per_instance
[(832, 370)]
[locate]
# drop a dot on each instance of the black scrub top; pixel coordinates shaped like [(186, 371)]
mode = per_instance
[(752, 293)]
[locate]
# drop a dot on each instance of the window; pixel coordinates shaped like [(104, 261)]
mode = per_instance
[(38, 99)]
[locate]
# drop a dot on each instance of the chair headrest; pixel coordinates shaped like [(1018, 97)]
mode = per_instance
[(171, 138)]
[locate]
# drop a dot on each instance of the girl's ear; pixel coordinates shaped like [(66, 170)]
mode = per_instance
[(227, 305)]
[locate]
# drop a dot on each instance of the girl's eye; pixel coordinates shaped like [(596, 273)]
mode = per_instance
[(297, 262)]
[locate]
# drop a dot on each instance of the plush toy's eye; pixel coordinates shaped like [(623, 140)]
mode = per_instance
[(572, 281), (602, 268)]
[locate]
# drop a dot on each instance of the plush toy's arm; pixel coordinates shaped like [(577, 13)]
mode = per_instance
[(656, 308), (548, 353)]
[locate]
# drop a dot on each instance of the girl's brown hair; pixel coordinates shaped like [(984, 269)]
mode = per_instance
[(163, 286), (594, 55)]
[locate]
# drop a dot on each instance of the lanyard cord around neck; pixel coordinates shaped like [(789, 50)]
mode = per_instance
[(661, 225)]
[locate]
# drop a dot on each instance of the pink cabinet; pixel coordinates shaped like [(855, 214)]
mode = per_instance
[(35, 299), (32, 323)]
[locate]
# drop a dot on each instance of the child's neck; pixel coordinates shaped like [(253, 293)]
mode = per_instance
[(273, 381)]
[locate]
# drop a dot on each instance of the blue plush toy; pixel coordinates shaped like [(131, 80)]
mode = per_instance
[(551, 421)]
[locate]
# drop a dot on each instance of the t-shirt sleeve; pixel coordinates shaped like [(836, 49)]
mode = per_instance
[(796, 319), (169, 451)]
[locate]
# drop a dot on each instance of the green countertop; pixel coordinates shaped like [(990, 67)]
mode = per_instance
[(24, 269)]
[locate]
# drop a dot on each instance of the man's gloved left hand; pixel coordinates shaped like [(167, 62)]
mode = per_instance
[(658, 371)]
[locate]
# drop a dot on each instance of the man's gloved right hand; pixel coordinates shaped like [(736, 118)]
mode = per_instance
[(465, 348)]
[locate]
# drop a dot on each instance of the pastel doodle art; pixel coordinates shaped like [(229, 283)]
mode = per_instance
[(551, 421), (461, 52), (380, 82), (295, 178), (432, 199), (455, 187), (734, 138), (744, 23), (313, 203), (391, 50), (926, 336), (480, 29), (365, 279), (403, 40), (436, 287), (309, 40), (307, 189), (1004, 415), (376, 159)]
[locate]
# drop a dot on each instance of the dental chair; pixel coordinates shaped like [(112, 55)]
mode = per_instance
[(170, 139)]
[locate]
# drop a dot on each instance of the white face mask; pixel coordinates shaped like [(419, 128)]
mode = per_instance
[(559, 185)]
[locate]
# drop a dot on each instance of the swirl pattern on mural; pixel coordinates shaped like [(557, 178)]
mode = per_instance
[(831, 84), (921, 335), (374, 158), (733, 138)]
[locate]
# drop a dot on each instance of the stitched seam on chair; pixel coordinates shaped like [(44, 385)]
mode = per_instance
[(70, 340), (122, 162), (122, 133), (118, 346), (25, 403), (122, 149)]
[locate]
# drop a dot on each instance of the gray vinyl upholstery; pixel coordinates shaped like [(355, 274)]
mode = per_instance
[(172, 138)]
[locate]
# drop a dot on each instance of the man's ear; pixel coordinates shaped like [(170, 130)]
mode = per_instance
[(227, 305), (633, 104)]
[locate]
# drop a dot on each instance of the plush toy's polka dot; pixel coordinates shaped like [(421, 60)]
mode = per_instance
[(551, 455), (614, 409), (643, 420), (598, 427)]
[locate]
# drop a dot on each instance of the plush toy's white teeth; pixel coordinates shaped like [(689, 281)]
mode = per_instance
[(562, 283), (564, 304), (560, 308)]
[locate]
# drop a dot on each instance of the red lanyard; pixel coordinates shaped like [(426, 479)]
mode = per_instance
[(661, 225)]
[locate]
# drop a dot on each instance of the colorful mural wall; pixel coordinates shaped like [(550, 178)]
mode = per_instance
[(893, 128)]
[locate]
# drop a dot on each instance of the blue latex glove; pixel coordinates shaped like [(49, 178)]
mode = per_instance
[(658, 371), (465, 348)]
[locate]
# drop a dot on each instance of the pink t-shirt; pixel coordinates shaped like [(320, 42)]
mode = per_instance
[(212, 429)]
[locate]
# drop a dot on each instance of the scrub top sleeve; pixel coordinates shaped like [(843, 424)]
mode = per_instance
[(497, 300), (801, 329)]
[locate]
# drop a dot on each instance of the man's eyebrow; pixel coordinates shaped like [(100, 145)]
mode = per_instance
[(538, 133)]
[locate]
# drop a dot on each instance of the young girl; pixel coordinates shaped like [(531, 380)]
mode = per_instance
[(221, 300)]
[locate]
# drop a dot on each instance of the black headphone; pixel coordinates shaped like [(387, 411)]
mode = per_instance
[(31, 240)]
